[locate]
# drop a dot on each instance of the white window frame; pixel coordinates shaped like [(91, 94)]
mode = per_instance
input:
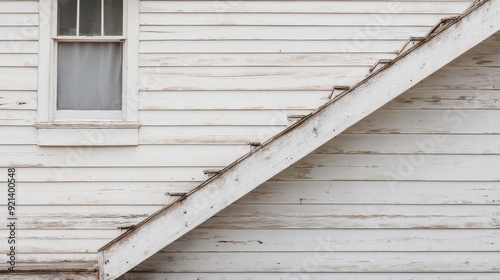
[(48, 115)]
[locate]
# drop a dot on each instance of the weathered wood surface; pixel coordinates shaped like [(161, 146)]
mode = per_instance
[(232, 100), (181, 219), (291, 19), (297, 33), (81, 217), (147, 155), (446, 99), (50, 276), (321, 7), (19, 6), (318, 276), (234, 46), (449, 144), (338, 240), (355, 216), (374, 192), (100, 193), (243, 78), (329, 262), (14, 78), (261, 59)]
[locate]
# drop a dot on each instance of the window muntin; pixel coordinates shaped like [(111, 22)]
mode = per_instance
[(90, 18)]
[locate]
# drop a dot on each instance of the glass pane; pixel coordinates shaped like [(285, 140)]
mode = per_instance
[(90, 17), (113, 17), (89, 76), (66, 17)]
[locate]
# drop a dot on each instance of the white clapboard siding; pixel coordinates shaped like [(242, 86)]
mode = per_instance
[(207, 134), (30, 275), (477, 78), (274, 46), (17, 117), (218, 117), (18, 19), (321, 7), (318, 276), (290, 19), (238, 78), (297, 33), (215, 77), (18, 78), (56, 262), (460, 121), (102, 217), (481, 55), (339, 240), (117, 174), (16, 6), (9, 46), (18, 100), (262, 59), (100, 193), (465, 144), (374, 192), (395, 167), (245, 216), (446, 99), (18, 135), (328, 262), (232, 100), (19, 60), (20, 33), (159, 156)]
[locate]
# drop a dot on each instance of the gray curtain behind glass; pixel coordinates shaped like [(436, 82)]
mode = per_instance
[(89, 76)]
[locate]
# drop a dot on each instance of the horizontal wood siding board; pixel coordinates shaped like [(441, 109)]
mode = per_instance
[(336, 240), (311, 276), (97, 174), (355, 216), (231, 100), (283, 46), (411, 144), (287, 19), (47, 275), (296, 33), (101, 193), (446, 99), (8, 7), (301, 6), (80, 217), (374, 192), (262, 59), (331, 262)]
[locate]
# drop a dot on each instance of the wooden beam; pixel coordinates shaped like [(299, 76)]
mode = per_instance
[(265, 161)]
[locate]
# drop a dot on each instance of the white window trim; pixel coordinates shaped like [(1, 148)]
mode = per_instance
[(128, 118)]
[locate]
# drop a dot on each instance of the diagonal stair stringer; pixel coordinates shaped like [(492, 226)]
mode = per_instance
[(168, 224)]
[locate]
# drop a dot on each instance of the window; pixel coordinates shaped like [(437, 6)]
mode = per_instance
[(88, 65), (89, 46)]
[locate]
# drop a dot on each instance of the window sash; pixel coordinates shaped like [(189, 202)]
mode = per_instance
[(106, 25), (72, 115)]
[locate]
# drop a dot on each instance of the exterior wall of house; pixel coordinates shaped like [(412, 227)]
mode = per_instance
[(410, 192), (214, 76)]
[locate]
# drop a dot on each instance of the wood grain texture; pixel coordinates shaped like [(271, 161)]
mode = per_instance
[(301, 6), (330, 262), (319, 276), (307, 136), (338, 240)]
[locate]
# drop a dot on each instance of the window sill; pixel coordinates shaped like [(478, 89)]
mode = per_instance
[(87, 134)]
